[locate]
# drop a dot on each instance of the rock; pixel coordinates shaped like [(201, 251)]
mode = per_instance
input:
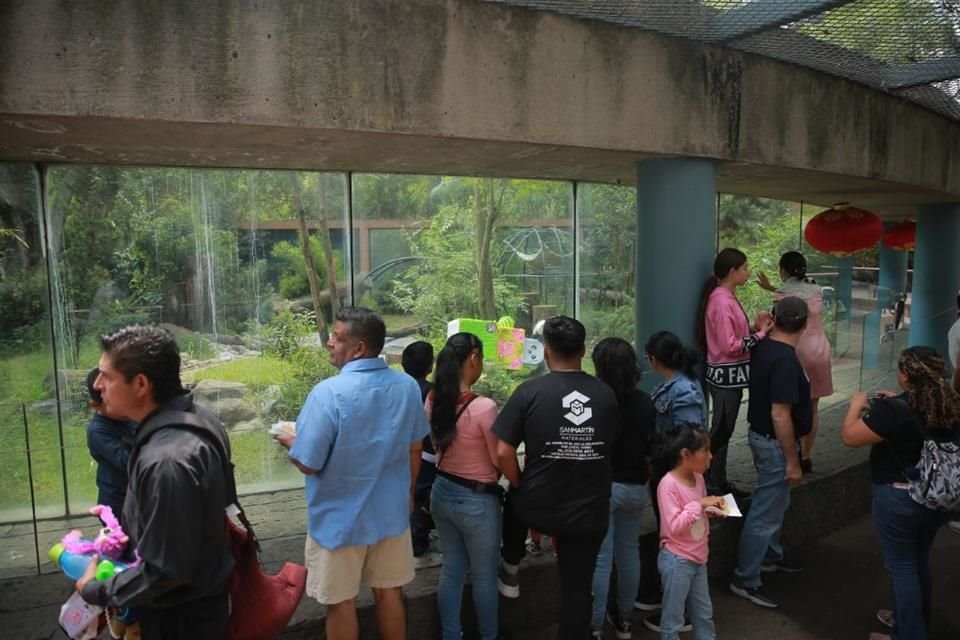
[(177, 330), (214, 390), (44, 408), (255, 424), (231, 411), (73, 383)]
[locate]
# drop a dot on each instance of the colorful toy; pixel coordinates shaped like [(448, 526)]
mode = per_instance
[(73, 553)]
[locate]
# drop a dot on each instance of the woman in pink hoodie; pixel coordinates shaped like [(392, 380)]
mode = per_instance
[(726, 336)]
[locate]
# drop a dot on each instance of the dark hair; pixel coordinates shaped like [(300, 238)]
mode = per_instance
[(95, 395), (929, 394), (688, 435), (616, 364), (726, 260), (667, 349), (790, 315), (149, 350), (417, 359), (364, 324), (795, 266), (446, 390), (564, 335)]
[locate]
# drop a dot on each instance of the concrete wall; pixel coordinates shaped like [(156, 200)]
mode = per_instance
[(453, 86)]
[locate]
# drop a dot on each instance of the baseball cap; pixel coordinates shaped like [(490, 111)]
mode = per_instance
[(791, 308)]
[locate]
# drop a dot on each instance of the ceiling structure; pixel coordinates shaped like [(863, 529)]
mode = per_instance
[(908, 48)]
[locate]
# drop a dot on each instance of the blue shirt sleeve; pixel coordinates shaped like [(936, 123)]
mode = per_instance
[(317, 427)]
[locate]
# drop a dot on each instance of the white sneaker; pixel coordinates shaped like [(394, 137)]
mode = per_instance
[(429, 559), (954, 526)]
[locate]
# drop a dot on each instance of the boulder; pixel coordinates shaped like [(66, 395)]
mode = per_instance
[(213, 390)]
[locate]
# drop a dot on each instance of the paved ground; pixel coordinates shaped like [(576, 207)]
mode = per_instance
[(834, 598)]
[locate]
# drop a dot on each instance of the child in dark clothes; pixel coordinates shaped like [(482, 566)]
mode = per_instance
[(109, 441), (417, 362)]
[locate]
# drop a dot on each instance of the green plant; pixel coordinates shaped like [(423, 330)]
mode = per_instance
[(286, 331)]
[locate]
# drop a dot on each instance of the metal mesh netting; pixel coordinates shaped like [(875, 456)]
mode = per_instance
[(909, 48)]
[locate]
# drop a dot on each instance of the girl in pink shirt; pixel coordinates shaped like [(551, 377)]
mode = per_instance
[(685, 533)]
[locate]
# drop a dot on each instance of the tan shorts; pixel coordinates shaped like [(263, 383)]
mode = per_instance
[(335, 576)]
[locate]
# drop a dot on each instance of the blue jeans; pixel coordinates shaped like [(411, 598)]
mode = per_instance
[(760, 539), (684, 587), (905, 531), (627, 502), (469, 527)]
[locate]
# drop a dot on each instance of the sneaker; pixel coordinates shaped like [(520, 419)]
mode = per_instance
[(534, 548), (508, 583), (427, 560), (596, 634), (649, 602), (756, 595), (783, 565), (954, 526), (885, 616), (621, 627), (653, 623)]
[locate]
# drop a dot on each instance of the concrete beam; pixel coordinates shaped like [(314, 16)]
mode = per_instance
[(760, 15), (912, 75), (448, 87)]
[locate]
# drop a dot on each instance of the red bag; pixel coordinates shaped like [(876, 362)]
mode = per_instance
[(260, 605)]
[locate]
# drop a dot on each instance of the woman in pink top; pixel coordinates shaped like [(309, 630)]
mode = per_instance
[(465, 500), (813, 350), (726, 336), (685, 533)]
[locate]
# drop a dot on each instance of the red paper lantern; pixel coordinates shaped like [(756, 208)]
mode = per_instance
[(843, 230), (901, 237)]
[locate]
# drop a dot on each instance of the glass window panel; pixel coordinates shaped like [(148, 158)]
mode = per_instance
[(216, 257), (607, 223), (435, 249)]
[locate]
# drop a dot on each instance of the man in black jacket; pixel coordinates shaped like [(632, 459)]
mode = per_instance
[(176, 494)]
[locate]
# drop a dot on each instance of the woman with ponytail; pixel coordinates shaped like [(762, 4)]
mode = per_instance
[(896, 426), (726, 336), (679, 398), (465, 502), (813, 350)]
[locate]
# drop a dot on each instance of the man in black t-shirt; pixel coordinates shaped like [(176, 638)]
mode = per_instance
[(780, 412), (567, 421)]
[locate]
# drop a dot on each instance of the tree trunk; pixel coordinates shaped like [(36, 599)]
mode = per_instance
[(308, 258), (331, 263), (485, 217)]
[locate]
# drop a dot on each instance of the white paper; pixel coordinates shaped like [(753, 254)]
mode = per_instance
[(730, 508), (78, 618), (284, 426)]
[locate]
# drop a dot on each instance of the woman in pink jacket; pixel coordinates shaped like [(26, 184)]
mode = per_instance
[(726, 336)]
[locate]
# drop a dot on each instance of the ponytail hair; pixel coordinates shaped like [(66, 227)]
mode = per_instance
[(795, 266), (616, 364), (446, 389), (726, 260), (668, 350), (929, 394)]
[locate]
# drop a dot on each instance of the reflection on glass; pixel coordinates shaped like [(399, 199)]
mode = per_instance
[(431, 250), (246, 269), (607, 220)]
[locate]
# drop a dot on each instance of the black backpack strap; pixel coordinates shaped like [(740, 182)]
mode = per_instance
[(172, 418)]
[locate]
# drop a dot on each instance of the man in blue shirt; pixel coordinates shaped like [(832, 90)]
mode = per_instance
[(358, 440)]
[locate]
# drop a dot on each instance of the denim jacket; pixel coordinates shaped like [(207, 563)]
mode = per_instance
[(678, 400)]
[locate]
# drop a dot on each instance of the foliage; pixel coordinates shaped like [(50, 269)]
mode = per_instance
[(286, 332), (497, 383), (604, 322), (289, 270)]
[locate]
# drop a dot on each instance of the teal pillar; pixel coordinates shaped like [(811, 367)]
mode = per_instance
[(936, 275), (676, 244), (845, 287), (891, 281)]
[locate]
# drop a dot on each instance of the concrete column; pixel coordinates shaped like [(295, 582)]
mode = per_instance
[(936, 275), (891, 281), (676, 244), (844, 287)]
